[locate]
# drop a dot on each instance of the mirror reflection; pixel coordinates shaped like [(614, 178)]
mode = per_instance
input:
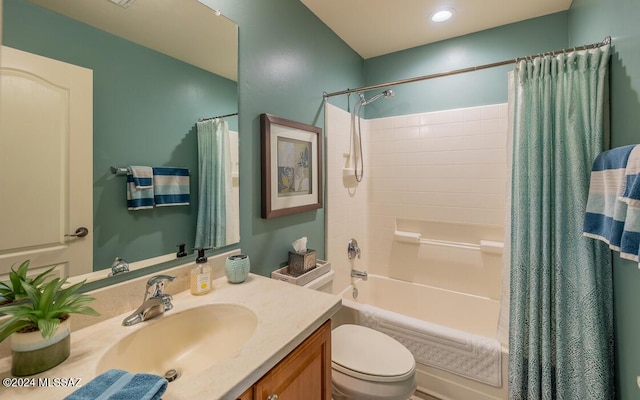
[(153, 76)]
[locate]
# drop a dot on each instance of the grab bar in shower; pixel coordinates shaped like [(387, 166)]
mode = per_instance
[(446, 243)]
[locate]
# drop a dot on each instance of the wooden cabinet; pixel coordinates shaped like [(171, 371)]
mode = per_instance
[(247, 395), (305, 373)]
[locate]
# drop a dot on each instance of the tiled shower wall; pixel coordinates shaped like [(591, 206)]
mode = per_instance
[(447, 166)]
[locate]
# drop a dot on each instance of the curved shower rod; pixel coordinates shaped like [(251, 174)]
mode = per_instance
[(325, 95)]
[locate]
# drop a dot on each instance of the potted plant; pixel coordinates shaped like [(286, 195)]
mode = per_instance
[(38, 324), (12, 290)]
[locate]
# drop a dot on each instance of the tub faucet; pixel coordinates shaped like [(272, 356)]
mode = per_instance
[(154, 303), (359, 274), (352, 249)]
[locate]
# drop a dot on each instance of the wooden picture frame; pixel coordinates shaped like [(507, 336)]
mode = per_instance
[(291, 166)]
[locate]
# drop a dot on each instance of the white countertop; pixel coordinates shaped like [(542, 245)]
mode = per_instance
[(286, 314)]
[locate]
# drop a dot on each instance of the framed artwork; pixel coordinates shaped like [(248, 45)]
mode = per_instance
[(291, 166)]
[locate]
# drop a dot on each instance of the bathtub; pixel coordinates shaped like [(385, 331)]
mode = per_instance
[(442, 328)]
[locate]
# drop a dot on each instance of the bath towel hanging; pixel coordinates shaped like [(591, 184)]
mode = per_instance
[(139, 188), (613, 206), (171, 186)]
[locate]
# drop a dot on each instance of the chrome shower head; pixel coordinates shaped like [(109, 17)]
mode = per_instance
[(387, 94)]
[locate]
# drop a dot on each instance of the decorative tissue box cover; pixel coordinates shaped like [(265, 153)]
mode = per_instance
[(299, 263), (282, 274)]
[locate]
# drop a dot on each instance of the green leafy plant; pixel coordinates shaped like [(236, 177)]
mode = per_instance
[(44, 307), (13, 290)]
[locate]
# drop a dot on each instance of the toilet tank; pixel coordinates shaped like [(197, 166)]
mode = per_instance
[(323, 283)]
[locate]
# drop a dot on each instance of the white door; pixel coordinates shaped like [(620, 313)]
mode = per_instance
[(46, 140)]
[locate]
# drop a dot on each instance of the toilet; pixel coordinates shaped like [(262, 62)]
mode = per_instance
[(365, 363)]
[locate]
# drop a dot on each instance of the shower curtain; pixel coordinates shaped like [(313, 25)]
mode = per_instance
[(561, 316), (214, 167)]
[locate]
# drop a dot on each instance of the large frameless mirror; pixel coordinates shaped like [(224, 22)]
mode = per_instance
[(156, 67)]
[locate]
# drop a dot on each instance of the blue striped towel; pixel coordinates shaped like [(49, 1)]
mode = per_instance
[(171, 186), (613, 206), (139, 187), (116, 384)]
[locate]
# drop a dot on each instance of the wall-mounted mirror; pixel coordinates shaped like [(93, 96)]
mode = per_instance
[(156, 67)]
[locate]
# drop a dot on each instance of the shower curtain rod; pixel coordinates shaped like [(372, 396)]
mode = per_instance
[(326, 95), (219, 116)]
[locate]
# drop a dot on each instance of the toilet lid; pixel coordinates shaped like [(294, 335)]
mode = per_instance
[(367, 354)]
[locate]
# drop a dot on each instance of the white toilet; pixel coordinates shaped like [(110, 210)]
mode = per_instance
[(365, 363)]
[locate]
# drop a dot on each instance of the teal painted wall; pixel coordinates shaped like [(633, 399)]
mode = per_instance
[(145, 108), (590, 21), (288, 57), (464, 90)]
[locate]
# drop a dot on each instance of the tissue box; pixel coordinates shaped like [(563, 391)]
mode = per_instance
[(299, 263)]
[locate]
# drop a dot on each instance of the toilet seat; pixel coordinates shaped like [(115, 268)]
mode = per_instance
[(367, 354)]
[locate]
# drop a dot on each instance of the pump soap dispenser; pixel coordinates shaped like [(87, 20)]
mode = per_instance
[(201, 275)]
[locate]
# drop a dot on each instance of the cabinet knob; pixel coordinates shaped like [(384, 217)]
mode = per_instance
[(272, 397)]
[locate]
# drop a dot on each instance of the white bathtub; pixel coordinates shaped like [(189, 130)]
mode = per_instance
[(441, 318)]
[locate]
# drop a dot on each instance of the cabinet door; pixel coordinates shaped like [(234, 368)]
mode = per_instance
[(247, 395), (304, 374)]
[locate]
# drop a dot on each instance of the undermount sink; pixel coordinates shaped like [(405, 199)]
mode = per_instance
[(187, 342)]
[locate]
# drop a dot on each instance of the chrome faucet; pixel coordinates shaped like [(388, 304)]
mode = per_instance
[(119, 266), (352, 249), (154, 303)]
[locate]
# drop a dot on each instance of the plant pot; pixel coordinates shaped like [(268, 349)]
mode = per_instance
[(32, 354)]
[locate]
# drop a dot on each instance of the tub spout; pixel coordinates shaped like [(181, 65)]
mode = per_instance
[(359, 274)]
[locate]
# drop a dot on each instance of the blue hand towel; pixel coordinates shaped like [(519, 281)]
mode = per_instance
[(139, 188), (613, 206), (171, 186), (116, 384)]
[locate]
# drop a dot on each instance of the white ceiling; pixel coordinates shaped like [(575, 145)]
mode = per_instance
[(185, 30), (376, 27)]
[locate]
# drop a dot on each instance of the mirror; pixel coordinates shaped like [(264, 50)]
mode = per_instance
[(158, 67)]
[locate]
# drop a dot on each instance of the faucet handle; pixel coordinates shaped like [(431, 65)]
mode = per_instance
[(159, 278), (158, 281), (353, 249)]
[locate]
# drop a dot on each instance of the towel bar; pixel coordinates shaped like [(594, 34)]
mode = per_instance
[(118, 170)]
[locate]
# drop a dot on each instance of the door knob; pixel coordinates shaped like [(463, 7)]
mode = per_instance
[(80, 232)]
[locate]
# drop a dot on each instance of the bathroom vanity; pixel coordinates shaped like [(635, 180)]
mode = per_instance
[(303, 374), (277, 342)]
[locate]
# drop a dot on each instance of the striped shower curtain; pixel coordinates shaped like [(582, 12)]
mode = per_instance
[(561, 307)]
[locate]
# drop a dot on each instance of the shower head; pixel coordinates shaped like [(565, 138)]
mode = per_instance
[(387, 93)]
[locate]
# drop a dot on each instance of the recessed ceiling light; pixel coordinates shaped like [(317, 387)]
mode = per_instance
[(442, 15)]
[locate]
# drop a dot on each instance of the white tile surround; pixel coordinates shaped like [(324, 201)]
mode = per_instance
[(447, 166)]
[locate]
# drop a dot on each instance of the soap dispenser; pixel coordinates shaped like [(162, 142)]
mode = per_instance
[(201, 275)]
